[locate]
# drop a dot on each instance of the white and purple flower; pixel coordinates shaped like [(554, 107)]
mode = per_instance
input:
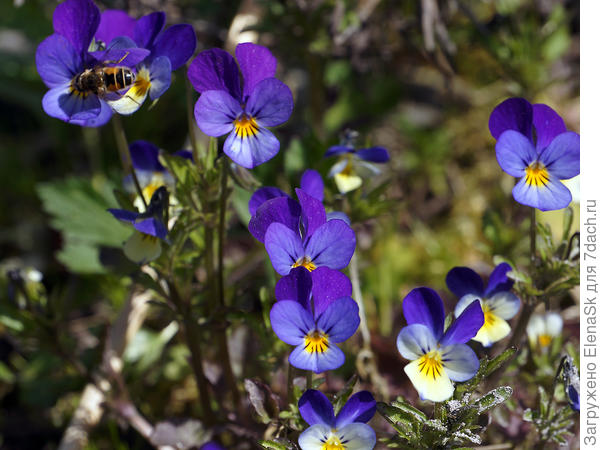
[(497, 302), (533, 144), (314, 312), (346, 431), (438, 357), (355, 165), (542, 329), (224, 107)]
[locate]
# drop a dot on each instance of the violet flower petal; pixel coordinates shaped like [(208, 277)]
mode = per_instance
[(124, 215), (251, 151), (313, 213), (263, 194), (463, 280), (77, 20), (312, 183), (340, 320), (465, 327), (122, 51), (280, 209), (160, 76), (415, 340), (176, 43), (332, 245), (330, 359), (57, 61), (327, 286), (283, 246), (102, 118), (338, 150), (498, 281), (374, 154), (423, 305), (147, 28), (151, 226), (360, 408), (144, 156), (270, 103), (295, 286), (291, 322), (215, 70), (60, 102), (315, 408), (548, 124), (512, 114), (114, 23), (561, 157), (460, 362), (554, 195), (215, 112), (514, 153), (256, 63)]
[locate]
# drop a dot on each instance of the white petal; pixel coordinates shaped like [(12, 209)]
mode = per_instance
[(435, 389), (415, 340), (347, 182), (142, 248), (314, 437), (460, 362), (494, 329), (554, 324), (504, 304), (132, 99), (465, 301), (357, 436), (535, 328)]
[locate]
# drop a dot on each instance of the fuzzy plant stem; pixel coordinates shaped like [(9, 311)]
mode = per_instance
[(123, 147)]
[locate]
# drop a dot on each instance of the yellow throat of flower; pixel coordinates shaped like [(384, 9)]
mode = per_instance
[(430, 364), (306, 263), (544, 340), (316, 342), (488, 316), (536, 175), (245, 126), (333, 443)]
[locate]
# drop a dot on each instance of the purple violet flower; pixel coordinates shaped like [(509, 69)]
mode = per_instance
[(348, 430), (437, 357), (540, 163), (63, 57), (354, 165), (212, 445), (144, 244), (497, 302), (314, 327), (225, 108), (169, 50)]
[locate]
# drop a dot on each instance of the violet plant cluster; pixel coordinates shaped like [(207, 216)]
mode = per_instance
[(307, 246)]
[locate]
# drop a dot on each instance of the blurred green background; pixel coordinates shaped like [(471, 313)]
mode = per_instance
[(419, 78)]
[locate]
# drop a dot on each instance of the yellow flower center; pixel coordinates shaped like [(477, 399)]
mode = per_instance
[(431, 364), (316, 341), (488, 316), (245, 126), (306, 263), (149, 190), (141, 86), (536, 174), (544, 340), (333, 443)]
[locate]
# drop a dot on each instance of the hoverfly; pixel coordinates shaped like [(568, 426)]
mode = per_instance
[(103, 79)]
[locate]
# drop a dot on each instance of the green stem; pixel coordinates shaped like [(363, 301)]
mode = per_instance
[(309, 379), (532, 237), (290, 385), (123, 147), (222, 219)]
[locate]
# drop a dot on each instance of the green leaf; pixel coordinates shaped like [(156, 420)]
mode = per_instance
[(342, 396), (273, 445), (493, 398), (499, 360)]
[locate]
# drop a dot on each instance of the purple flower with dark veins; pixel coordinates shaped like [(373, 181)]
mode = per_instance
[(225, 107), (533, 144), (81, 81), (314, 313)]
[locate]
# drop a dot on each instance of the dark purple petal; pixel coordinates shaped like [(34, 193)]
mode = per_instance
[(315, 408), (327, 286), (498, 281), (251, 151), (215, 112), (423, 305), (121, 51), (271, 103), (147, 28), (284, 247), (212, 446), (553, 195), (63, 104), (77, 20), (263, 194), (313, 212), (160, 76), (312, 183), (374, 154), (561, 157), (295, 286), (256, 63), (124, 215), (144, 156), (57, 61), (151, 226), (359, 408), (512, 114), (215, 70), (102, 118), (462, 281), (332, 245), (331, 359), (114, 23), (514, 153), (338, 150), (176, 43), (282, 209), (291, 322), (548, 124), (340, 320), (465, 327), (185, 154)]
